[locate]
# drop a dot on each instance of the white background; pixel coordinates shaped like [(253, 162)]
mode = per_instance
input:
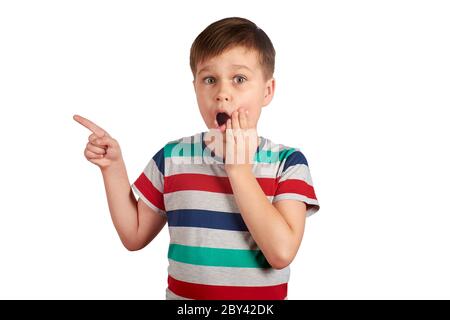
[(363, 89)]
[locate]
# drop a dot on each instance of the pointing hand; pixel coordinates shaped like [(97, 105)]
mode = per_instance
[(101, 149)]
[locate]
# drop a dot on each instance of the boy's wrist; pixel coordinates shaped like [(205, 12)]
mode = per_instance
[(114, 168), (234, 171)]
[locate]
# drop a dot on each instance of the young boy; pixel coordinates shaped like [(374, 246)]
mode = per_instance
[(235, 202)]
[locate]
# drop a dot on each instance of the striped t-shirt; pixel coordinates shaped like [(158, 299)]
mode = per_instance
[(211, 254)]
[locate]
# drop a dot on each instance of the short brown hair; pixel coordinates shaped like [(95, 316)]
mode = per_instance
[(228, 33)]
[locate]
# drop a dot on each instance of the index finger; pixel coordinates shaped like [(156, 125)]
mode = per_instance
[(90, 125)]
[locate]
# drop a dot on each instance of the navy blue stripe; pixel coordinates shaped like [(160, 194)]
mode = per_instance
[(206, 219), (295, 158), (159, 160)]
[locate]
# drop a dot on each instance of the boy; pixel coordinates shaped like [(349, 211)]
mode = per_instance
[(235, 203)]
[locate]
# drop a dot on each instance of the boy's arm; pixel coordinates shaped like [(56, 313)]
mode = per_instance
[(276, 228), (135, 222)]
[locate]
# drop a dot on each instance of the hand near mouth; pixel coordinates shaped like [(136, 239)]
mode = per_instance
[(241, 142)]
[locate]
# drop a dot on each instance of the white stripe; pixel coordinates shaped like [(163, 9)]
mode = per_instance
[(153, 174), (197, 165), (212, 238), (299, 172), (313, 204), (202, 200), (226, 276)]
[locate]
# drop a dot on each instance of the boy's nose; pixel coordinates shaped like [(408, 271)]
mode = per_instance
[(223, 94), (222, 98)]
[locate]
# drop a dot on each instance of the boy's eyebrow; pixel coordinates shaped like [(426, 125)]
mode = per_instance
[(236, 66)]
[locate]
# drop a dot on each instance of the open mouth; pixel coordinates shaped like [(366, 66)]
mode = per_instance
[(222, 118)]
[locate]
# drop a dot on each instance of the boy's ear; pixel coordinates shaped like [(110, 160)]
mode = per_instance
[(269, 91)]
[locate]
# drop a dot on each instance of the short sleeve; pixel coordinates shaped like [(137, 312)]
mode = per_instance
[(149, 186), (295, 182)]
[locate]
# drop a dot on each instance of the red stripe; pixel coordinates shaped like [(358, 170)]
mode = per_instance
[(296, 186), (145, 186), (203, 182), (208, 292)]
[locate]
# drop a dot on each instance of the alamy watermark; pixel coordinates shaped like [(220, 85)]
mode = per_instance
[(189, 150)]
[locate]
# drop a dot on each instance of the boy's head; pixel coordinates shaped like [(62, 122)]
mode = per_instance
[(232, 61)]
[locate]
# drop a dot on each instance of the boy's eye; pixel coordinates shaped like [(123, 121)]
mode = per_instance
[(239, 79), (209, 80)]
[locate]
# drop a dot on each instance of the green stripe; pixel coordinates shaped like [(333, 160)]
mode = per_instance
[(218, 257), (182, 150), (190, 150), (267, 156)]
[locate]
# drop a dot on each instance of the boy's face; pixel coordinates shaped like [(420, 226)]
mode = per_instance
[(231, 81)]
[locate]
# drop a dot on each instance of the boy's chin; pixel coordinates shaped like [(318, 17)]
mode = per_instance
[(219, 130)]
